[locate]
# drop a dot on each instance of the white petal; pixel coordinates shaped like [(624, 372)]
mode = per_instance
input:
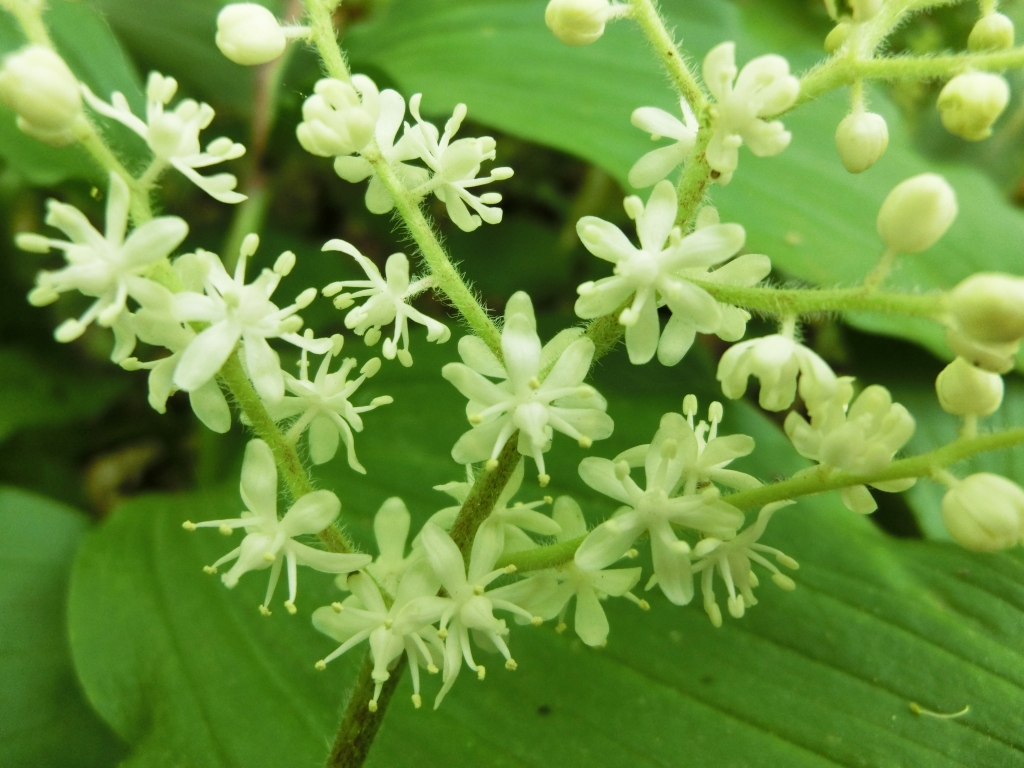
[(658, 218), (487, 546), (445, 558), (210, 407), (657, 164), (477, 355), (609, 541), (569, 517), (391, 528), (259, 480), (311, 513), (206, 355), (603, 239), (323, 439), (327, 562), (599, 474), (591, 622), (264, 367), (642, 336)]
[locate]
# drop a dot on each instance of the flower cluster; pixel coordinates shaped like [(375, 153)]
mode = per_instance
[(358, 125)]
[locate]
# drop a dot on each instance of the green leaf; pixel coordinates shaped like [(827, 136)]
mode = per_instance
[(188, 672), (815, 220), (44, 719), (89, 47)]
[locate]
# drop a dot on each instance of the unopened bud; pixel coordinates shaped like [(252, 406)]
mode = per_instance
[(984, 512), (861, 139), (993, 32), (577, 22), (37, 84), (989, 307), (964, 390), (248, 34), (837, 37), (917, 213), (970, 103)]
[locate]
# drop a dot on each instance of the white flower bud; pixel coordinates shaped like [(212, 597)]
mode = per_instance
[(37, 84), (992, 356), (861, 139), (989, 307), (971, 103), (248, 34), (917, 213), (984, 512), (964, 390), (837, 37), (993, 32), (339, 119), (577, 22)]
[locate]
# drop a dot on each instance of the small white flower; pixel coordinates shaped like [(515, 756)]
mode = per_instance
[(764, 88), (173, 135), (340, 118), (108, 266), (37, 84), (469, 606), (249, 34), (323, 405), (657, 273), (861, 438), (984, 512), (659, 163), (269, 542), (654, 510), (391, 530), (387, 301), (397, 154), (588, 587), (732, 559), (239, 312), (776, 361), (404, 627), (521, 401), (455, 165), (518, 518)]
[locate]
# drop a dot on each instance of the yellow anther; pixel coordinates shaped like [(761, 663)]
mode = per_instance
[(417, 700), (442, 633), (537, 621), (549, 500), (534, 383), (372, 705), (432, 669), (321, 665), (269, 557), (511, 665), (264, 611), (225, 530), (209, 569), (338, 607), (387, 623), (562, 626), (585, 442), (690, 405), (491, 465), (475, 419), (622, 470), (290, 607), (632, 553), (511, 568), (478, 590), (644, 605), (188, 525), (543, 480), (481, 672)]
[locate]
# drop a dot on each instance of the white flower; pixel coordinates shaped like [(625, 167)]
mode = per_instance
[(173, 136), (404, 627), (659, 163), (469, 606), (517, 518), (861, 438), (776, 361), (391, 530), (455, 165), (581, 22), (239, 312), (654, 510), (521, 401), (764, 88), (916, 213), (269, 542), (397, 154), (984, 512), (971, 102), (340, 118), (589, 587), (387, 301), (108, 266), (964, 390), (41, 89), (657, 273), (249, 34), (985, 319), (323, 405), (732, 559)]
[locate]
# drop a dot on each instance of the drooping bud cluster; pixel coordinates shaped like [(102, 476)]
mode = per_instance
[(916, 213), (985, 320), (44, 93), (970, 103)]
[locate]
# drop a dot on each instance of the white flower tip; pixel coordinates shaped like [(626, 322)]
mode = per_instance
[(585, 442), (432, 668), (716, 412), (511, 665), (502, 173), (784, 581), (371, 367), (372, 705), (285, 264), (644, 605), (481, 671), (42, 295), (714, 613), (264, 611), (382, 400), (249, 34), (209, 570), (68, 331), (225, 530), (491, 465), (543, 479), (33, 243), (305, 298), (634, 207), (787, 561), (290, 607), (417, 700), (320, 665)]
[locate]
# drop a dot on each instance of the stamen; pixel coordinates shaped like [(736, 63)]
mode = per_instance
[(561, 627), (189, 526), (209, 569), (543, 480), (417, 700), (511, 665), (320, 665), (290, 607), (225, 530), (491, 465), (371, 705), (481, 672), (537, 621), (338, 607), (264, 611)]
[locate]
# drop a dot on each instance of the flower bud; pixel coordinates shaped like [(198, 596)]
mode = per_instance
[(984, 512), (917, 213), (989, 307), (993, 32), (971, 103), (994, 357), (861, 139), (837, 37), (964, 390), (864, 10), (37, 84), (339, 118), (577, 22), (248, 34)]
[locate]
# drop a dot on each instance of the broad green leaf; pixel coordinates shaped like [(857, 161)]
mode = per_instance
[(95, 56), (44, 719), (188, 672), (815, 220), (36, 395)]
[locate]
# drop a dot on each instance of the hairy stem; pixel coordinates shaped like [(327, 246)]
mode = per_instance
[(696, 176), (30, 19), (650, 21), (325, 38), (359, 726)]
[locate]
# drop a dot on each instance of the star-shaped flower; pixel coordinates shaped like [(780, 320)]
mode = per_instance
[(659, 163), (339, 118), (654, 510), (269, 542), (323, 406), (388, 301), (520, 400), (764, 88), (235, 311), (108, 266), (656, 274), (173, 135), (732, 559)]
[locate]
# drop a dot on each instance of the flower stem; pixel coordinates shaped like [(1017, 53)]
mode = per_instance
[(650, 21), (359, 726), (30, 19), (325, 38)]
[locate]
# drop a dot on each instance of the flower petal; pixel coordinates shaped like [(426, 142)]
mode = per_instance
[(311, 513)]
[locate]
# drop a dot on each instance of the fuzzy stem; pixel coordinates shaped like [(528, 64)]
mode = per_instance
[(650, 21), (325, 39), (696, 176), (359, 726), (30, 19)]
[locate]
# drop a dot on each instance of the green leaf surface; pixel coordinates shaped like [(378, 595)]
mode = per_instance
[(89, 47), (188, 672), (44, 719), (815, 220)]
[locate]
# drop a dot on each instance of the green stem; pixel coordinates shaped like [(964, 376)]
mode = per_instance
[(359, 726), (325, 38), (697, 174), (647, 17), (30, 20)]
